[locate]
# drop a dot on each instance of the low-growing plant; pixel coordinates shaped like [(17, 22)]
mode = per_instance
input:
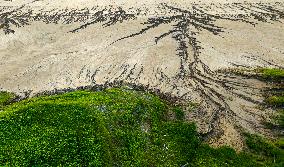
[(114, 127), (272, 74), (265, 151), (5, 98), (276, 101), (178, 113)]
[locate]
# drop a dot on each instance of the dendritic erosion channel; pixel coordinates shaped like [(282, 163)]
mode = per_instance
[(226, 102)]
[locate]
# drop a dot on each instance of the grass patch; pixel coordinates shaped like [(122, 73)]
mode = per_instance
[(275, 96), (179, 114), (266, 152), (276, 101), (5, 98), (281, 118), (272, 74), (114, 127), (266, 74), (271, 153)]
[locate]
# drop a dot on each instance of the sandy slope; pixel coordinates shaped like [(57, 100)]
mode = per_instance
[(40, 56)]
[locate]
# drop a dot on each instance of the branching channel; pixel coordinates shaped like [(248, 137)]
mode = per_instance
[(210, 85), (186, 24)]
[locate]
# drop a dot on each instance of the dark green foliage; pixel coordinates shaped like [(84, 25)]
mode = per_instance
[(280, 143), (114, 127), (178, 113), (266, 152), (5, 98), (281, 118)]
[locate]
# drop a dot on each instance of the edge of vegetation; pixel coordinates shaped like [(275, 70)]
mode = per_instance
[(131, 128)]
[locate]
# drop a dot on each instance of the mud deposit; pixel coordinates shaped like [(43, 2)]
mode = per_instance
[(174, 48)]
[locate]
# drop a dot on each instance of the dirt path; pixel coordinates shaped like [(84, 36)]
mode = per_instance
[(173, 47)]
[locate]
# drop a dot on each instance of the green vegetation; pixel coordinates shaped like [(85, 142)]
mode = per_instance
[(281, 119), (276, 101), (275, 96), (5, 98), (265, 152), (115, 127), (179, 114), (121, 127), (272, 74)]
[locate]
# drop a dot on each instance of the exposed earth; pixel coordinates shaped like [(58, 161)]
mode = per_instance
[(176, 48)]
